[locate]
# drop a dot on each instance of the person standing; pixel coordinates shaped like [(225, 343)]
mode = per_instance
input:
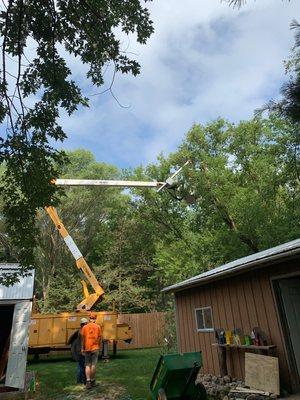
[(90, 346), (77, 355), (81, 378)]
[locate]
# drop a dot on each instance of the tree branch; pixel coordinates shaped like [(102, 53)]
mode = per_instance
[(227, 218)]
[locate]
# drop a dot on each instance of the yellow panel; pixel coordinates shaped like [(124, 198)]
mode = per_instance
[(45, 332), (103, 316), (73, 320), (109, 331), (59, 332), (33, 332), (124, 332), (109, 326)]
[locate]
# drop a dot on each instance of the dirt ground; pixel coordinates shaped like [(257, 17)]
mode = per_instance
[(100, 392)]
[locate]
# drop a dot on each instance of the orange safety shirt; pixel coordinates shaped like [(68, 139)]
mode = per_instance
[(91, 334)]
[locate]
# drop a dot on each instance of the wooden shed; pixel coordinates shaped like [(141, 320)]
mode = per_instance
[(15, 313), (260, 290)]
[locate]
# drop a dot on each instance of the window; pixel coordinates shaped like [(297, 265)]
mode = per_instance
[(204, 321)]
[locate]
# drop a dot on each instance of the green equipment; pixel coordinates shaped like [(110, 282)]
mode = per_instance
[(174, 378)]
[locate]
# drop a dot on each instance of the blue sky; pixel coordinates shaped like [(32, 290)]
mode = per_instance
[(204, 60)]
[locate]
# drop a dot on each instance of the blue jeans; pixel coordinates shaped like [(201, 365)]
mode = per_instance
[(81, 370)]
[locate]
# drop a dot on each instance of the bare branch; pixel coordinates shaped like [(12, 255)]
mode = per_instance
[(109, 89)]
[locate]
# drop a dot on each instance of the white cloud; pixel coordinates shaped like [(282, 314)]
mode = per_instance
[(205, 60)]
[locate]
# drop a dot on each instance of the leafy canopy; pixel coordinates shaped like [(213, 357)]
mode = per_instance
[(245, 186), (36, 85)]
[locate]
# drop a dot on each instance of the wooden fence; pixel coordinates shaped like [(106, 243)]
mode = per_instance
[(147, 329)]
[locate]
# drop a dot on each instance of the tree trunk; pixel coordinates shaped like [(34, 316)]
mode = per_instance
[(227, 218)]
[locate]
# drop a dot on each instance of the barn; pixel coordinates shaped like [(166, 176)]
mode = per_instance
[(15, 313), (261, 290)]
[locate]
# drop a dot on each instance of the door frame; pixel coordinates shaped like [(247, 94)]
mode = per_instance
[(295, 380)]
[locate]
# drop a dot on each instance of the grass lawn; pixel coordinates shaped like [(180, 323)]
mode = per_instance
[(126, 377)]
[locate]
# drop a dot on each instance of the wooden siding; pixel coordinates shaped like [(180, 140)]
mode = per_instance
[(243, 301), (147, 330)]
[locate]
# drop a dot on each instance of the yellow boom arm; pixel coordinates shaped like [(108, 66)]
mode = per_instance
[(90, 299)]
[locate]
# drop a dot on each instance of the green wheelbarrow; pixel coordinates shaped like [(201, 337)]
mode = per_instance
[(174, 378)]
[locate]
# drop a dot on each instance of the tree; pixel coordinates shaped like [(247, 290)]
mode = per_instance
[(289, 105), (244, 179), (88, 30)]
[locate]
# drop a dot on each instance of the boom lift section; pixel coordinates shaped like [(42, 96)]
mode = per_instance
[(90, 299)]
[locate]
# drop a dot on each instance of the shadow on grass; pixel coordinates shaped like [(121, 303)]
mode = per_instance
[(50, 360), (121, 356), (56, 359)]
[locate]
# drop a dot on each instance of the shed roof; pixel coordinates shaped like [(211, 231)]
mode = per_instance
[(275, 254), (22, 290)]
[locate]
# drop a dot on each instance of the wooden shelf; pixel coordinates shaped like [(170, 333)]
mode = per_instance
[(244, 346)]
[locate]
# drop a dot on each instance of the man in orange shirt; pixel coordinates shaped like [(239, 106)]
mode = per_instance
[(90, 346)]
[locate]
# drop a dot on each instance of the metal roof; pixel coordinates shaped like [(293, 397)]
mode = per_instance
[(274, 254), (22, 290)]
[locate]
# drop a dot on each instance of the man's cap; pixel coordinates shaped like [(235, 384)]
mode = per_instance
[(93, 315), (84, 321)]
